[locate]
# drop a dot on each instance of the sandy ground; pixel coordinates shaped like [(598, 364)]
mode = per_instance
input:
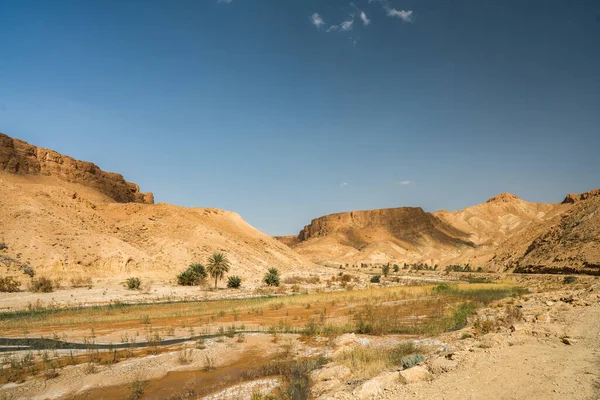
[(531, 362)]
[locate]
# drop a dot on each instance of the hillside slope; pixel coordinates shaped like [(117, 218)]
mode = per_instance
[(63, 224), (566, 243)]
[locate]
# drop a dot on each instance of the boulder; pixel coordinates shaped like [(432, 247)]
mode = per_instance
[(441, 365), (375, 387), (322, 387), (345, 340), (415, 374), (569, 341), (331, 372)]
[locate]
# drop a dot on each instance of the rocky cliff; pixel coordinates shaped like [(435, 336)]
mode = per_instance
[(406, 224), (22, 158)]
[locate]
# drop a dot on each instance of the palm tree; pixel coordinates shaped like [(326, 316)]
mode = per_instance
[(218, 264)]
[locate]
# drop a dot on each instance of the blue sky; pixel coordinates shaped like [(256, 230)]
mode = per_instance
[(284, 111)]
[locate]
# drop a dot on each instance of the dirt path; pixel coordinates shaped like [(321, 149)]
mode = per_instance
[(536, 365)]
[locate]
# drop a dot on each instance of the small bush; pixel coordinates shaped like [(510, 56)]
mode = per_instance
[(3, 246), (570, 279), (234, 282), (376, 279), (28, 270), (42, 284), (9, 285), (411, 361), (442, 287), (138, 387), (385, 270), (185, 357), (193, 276), (272, 277), (134, 283), (396, 268)]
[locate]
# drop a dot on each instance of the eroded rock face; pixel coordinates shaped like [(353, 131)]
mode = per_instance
[(19, 157), (574, 198), (406, 223)]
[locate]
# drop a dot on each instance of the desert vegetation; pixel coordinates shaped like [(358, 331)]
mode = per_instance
[(194, 275), (218, 265), (271, 278)]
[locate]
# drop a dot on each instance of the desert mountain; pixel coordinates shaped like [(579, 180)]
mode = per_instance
[(566, 243), (505, 232), (64, 216)]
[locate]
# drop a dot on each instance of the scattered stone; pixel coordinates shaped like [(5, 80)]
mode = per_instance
[(441, 365), (346, 339), (322, 387), (545, 317), (415, 374), (331, 372), (376, 386), (569, 341)]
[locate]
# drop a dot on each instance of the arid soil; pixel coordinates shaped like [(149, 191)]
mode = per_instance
[(553, 352), (66, 230)]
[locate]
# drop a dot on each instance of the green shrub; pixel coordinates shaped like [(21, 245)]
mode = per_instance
[(570, 279), (376, 279), (411, 361), (396, 268), (193, 276), (134, 283), (385, 270), (3, 246), (234, 282), (442, 287), (459, 317), (272, 277), (42, 284), (9, 285), (27, 270)]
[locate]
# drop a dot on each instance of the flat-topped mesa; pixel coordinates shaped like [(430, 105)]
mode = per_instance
[(503, 198), (404, 220), (574, 198), (19, 157)]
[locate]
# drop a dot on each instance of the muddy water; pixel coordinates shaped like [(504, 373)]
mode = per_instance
[(185, 384)]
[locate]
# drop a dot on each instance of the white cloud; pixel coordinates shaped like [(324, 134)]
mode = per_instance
[(404, 15), (224, 1), (347, 25), (317, 20), (404, 182), (364, 18), (333, 28), (345, 184)]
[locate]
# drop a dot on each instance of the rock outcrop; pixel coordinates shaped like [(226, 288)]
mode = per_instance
[(573, 198), (19, 157), (406, 224)]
